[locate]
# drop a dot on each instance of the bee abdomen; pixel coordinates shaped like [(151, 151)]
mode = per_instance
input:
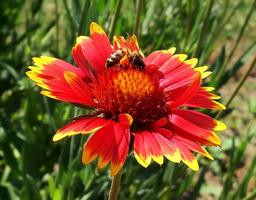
[(115, 57), (137, 61)]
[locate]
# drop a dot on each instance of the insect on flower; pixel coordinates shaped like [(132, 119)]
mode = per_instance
[(123, 57), (151, 99)]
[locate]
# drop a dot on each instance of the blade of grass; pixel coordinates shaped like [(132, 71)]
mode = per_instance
[(251, 195), (229, 176), (48, 111), (83, 20), (70, 18), (57, 26), (240, 84), (138, 15), (241, 191), (114, 19), (198, 184), (223, 22), (239, 37), (204, 29), (238, 64)]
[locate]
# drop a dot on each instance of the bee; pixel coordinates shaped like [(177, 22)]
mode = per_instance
[(123, 57)]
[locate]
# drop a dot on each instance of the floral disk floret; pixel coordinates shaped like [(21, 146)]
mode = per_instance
[(147, 98)]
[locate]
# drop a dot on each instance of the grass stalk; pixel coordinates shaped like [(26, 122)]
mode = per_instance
[(225, 19), (83, 21), (239, 37), (204, 29), (70, 18), (73, 141), (114, 19), (240, 84), (57, 26), (48, 111), (138, 15)]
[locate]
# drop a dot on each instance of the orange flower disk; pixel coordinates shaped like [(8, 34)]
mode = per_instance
[(147, 98)]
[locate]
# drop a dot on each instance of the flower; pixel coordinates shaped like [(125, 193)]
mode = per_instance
[(145, 104)]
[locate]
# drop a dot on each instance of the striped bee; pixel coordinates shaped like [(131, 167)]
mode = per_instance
[(123, 57)]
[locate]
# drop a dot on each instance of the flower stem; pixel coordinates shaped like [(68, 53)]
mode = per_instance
[(240, 84), (115, 186)]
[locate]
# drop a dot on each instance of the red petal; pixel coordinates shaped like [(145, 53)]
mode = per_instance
[(125, 120), (160, 123), (81, 126), (130, 43), (193, 146), (173, 63), (187, 157), (80, 58), (204, 102), (78, 86), (49, 73), (178, 131), (159, 57), (193, 129), (179, 77), (91, 53), (110, 144), (100, 41), (200, 119), (182, 95), (152, 145)]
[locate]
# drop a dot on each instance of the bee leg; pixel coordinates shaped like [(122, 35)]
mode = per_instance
[(124, 61)]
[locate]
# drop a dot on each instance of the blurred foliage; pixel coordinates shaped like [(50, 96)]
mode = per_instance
[(33, 167)]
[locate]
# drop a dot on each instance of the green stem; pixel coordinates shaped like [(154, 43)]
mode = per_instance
[(57, 26), (188, 25), (70, 18), (115, 186), (137, 22), (73, 141), (247, 19), (47, 108), (82, 25), (114, 20), (204, 28), (251, 195), (240, 84), (224, 20)]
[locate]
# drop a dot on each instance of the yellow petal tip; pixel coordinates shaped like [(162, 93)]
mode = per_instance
[(220, 126), (181, 57), (171, 50), (95, 28), (174, 157), (158, 159), (192, 164), (215, 139), (80, 39), (192, 62), (143, 162), (58, 136)]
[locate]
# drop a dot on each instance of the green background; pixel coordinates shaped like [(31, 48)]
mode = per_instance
[(221, 33)]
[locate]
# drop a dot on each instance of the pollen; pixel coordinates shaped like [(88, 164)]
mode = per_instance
[(130, 91)]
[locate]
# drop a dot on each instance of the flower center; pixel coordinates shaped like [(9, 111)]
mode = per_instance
[(131, 91)]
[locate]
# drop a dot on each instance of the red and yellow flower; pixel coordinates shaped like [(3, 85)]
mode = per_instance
[(141, 100)]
